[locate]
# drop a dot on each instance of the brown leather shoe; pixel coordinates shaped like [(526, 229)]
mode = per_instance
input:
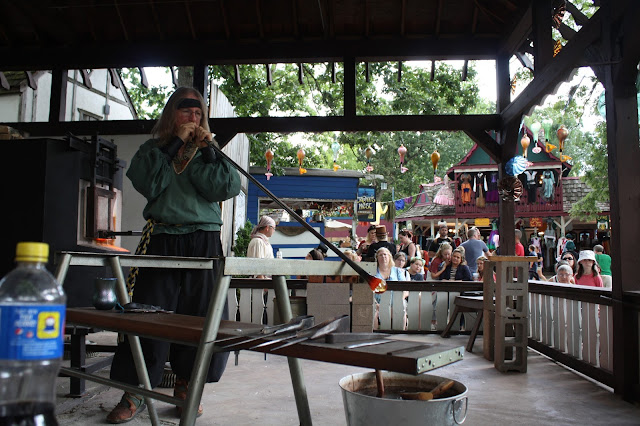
[(128, 407), (180, 391)]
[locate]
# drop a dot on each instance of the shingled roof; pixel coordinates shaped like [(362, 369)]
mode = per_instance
[(573, 190), (430, 209)]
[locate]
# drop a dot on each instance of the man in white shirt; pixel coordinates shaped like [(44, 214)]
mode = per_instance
[(259, 246)]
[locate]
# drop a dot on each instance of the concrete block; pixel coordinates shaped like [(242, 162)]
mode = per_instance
[(362, 294), (325, 312), (362, 315), (327, 293)]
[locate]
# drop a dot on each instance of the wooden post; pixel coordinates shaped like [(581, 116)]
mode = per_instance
[(58, 100)]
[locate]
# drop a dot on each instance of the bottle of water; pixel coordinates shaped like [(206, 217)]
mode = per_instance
[(32, 312)]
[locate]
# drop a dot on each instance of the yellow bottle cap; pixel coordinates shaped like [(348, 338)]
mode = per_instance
[(32, 252)]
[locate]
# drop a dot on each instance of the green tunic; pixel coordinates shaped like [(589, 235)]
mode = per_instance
[(186, 202)]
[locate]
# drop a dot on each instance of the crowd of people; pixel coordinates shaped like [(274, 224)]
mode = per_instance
[(443, 259)]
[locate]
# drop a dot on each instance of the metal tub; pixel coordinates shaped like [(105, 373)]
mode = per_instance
[(362, 407)]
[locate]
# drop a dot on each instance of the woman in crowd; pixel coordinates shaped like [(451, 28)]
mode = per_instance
[(388, 272), (480, 263), (571, 259), (564, 274), (587, 271), (440, 260), (399, 260), (363, 246), (407, 246), (457, 269)]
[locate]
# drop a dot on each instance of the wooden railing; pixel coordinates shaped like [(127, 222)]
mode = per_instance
[(570, 324), (574, 326)]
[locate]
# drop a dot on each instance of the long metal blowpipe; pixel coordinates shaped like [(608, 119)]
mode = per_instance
[(377, 285)]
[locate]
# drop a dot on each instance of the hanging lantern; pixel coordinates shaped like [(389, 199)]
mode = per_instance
[(516, 165), (369, 153), (435, 158), (562, 135), (525, 141), (535, 129), (300, 158), (546, 125), (269, 156), (335, 147), (402, 151)]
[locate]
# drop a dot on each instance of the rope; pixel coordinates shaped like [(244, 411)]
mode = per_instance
[(141, 249)]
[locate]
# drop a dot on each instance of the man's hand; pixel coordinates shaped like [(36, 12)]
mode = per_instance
[(186, 131), (202, 138)]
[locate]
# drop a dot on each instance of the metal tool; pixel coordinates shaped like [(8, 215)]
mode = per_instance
[(411, 349), (353, 337), (315, 332), (303, 322), (371, 343), (293, 324)]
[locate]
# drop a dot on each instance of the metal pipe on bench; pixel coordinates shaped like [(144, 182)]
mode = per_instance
[(295, 367)]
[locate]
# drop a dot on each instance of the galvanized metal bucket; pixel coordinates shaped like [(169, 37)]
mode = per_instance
[(362, 407)]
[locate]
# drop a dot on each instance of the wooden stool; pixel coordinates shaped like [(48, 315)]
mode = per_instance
[(466, 304)]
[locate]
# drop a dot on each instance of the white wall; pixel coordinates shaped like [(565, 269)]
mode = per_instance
[(10, 107)]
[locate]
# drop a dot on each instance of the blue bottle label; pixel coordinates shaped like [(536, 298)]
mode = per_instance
[(31, 332)]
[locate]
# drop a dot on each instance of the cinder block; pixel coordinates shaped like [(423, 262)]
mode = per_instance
[(362, 315), (326, 312), (361, 328), (329, 294), (361, 294)]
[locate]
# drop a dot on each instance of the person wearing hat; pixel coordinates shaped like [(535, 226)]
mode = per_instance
[(381, 236), (587, 271)]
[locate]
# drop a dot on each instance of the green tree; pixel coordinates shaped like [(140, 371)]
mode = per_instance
[(148, 102)]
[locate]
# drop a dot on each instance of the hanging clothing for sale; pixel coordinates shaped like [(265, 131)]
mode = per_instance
[(480, 188), (465, 188), (492, 185), (445, 195), (548, 185), (492, 241), (531, 185)]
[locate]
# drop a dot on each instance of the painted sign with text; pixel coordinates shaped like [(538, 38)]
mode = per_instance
[(366, 204)]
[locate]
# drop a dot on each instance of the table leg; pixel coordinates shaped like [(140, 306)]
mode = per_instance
[(295, 368), (206, 347), (134, 341)]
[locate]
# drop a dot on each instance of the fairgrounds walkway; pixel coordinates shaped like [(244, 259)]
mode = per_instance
[(258, 391)]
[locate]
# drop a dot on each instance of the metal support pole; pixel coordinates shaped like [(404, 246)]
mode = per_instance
[(206, 347), (134, 341), (295, 368)]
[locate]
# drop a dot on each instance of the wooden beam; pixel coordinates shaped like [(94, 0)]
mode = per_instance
[(181, 53), (3, 82), (518, 34), (624, 193), (225, 20), (486, 142), (507, 136), (543, 41), (349, 87), (58, 100), (201, 79), (555, 72), (187, 10), (294, 18), (86, 79), (236, 74), (115, 79), (259, 19), (31, 82), (125, 33), (389, 123), (143, 78)]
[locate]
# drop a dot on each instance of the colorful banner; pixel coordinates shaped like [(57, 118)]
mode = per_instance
[(483, 221), (366, 204), (535, 222), (603, 223)]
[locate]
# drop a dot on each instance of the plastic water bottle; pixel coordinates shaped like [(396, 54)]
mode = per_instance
[(32, 313)]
